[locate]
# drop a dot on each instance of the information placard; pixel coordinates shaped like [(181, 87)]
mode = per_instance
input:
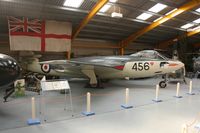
[(54, 85)]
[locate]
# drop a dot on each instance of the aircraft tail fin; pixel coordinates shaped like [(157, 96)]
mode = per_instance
[(28, 58)]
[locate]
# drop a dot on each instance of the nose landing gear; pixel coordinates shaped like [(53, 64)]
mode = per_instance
[(162, 84)]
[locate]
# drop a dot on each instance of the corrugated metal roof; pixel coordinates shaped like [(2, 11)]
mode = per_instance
[(102, 26)]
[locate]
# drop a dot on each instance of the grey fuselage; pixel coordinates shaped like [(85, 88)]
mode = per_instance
[(143, 64)]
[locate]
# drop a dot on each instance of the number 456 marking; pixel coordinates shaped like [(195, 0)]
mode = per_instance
[(139, 66)]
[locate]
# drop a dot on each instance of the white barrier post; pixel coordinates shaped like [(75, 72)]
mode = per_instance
[(33, 120), (126, 105), (33, 107), (177, 91), (190, 89), (184, 129), (157, 93), (88, 110), (88, 102)]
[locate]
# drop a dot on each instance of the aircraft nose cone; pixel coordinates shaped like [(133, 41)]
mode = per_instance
[(176, 65)]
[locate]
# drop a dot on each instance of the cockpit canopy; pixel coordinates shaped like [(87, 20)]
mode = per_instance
[(152, 54)]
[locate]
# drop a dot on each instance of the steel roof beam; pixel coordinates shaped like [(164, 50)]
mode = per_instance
[(121, 31), (91, 14), (149, 12), (169, 42), (141, 21), (191, 4), (128, 25), (112, 34), (171, 5), (96, 46)]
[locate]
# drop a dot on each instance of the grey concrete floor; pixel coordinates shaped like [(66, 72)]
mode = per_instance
[(146, 116)]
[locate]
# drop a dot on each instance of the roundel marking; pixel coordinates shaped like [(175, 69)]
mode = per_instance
[(45, 68)]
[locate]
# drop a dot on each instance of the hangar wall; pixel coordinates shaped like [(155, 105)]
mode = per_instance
[(82, 47)]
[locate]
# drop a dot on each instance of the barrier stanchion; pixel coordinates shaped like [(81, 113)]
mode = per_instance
[(197, 126), (33, 120), (177, 91), (184, 129), (126, 105), (157, 93), (190, 89), (88, 111)]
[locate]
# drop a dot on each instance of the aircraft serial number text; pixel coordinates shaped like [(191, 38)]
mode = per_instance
[(139, 66)]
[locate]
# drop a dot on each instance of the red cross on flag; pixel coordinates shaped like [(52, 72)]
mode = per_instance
[(37, 35)]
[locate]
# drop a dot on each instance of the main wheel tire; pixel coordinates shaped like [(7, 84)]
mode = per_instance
[(162, 84)]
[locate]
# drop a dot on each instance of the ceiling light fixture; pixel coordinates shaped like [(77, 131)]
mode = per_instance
[(116, 14), (157, 8), (144, 16), (73, 3)]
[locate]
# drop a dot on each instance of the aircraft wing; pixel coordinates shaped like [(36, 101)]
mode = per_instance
[(108, 61)]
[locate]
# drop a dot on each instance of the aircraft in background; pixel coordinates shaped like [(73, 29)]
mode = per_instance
[(9, 70), (142, 64)]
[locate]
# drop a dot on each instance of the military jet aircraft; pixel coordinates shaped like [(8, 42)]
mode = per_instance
[(9, 70), (142, 64)]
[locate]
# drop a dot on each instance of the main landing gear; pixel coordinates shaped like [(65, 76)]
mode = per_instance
[(8, 92), (94, 80), (98, 85)]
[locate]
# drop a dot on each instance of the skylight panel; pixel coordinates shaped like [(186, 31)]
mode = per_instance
[(198, 10), (144, 16), (105, 8), (197, 21), (157, 8), (196, 28), (113, 1), (186, 26), (73, 3)]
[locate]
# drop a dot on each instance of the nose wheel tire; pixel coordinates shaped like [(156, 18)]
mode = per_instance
[(162, 84)]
